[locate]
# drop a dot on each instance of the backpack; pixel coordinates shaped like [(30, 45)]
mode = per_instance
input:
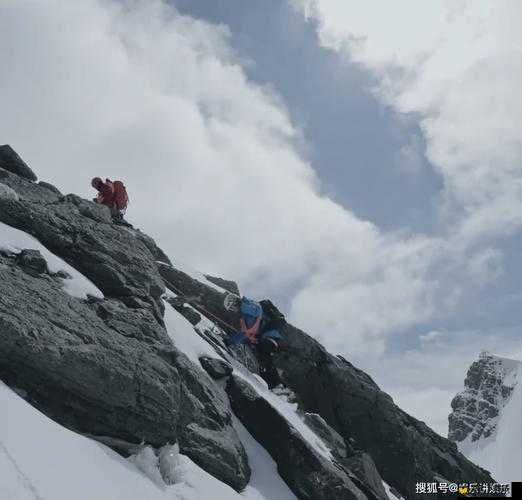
[(121, 198), (274, 316)]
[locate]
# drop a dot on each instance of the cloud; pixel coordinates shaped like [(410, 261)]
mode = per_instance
[(135, 90), (457, 68), (424, 379), (458, 65)]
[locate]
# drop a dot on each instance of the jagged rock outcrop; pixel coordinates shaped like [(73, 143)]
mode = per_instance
[(216, 368), (488, 387), (9, 160), (103, 366), (230, 286), (305, 470), (51, 187)]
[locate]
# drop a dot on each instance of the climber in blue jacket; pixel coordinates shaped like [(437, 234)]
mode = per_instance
[(259, 325)]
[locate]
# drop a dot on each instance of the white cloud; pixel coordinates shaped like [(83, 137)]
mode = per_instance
[(134, 90), (459, 66), (423, 380)]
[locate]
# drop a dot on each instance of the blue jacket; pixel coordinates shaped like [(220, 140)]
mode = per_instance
[(250, 312)]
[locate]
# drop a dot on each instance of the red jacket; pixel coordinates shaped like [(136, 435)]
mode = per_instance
[(106, 193)]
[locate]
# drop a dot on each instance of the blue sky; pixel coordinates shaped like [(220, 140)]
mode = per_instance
[(360, 169)]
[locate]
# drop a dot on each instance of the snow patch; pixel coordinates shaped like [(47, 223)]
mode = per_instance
[(183, 335), (148, 463), (14, 240), (391, 495), (265, 481), (169, 461)]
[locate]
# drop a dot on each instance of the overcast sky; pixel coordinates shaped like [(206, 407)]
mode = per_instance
[(360, 162)]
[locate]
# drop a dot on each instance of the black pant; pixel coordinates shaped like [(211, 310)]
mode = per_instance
[(265, 353)]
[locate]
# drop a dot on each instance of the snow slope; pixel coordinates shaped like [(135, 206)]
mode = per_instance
[(40, 460), (78, 285), (184, 336)]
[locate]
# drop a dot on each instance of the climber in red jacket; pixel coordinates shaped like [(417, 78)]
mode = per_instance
[(112, 194)]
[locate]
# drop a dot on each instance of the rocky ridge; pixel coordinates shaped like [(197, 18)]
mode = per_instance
[(107, 367)]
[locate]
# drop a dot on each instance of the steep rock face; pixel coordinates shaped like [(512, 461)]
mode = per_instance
[(361, 467), (104, 367), (488, 387), (305, 470), (404, 449), (114, 258)]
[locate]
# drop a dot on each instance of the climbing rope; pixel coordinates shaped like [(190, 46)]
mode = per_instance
[(201, 309)]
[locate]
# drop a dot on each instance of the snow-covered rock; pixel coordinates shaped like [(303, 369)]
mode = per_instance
[(476, 410), (486, 416), (10, 160), (75, 283)]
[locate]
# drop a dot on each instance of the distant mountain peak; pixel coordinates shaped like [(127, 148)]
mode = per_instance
[(488, 386)]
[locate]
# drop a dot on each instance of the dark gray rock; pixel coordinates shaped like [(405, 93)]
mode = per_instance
[(359, 465), (51, 187), (309, 474), (335, 441), (230, 286), (9, 160), (109, 370), (180, 305), (114, 258), (32, 262), (207, 435), (158, 254), (404, 450), (200, 296), (216, 368), (105, 367), (28, 191)]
